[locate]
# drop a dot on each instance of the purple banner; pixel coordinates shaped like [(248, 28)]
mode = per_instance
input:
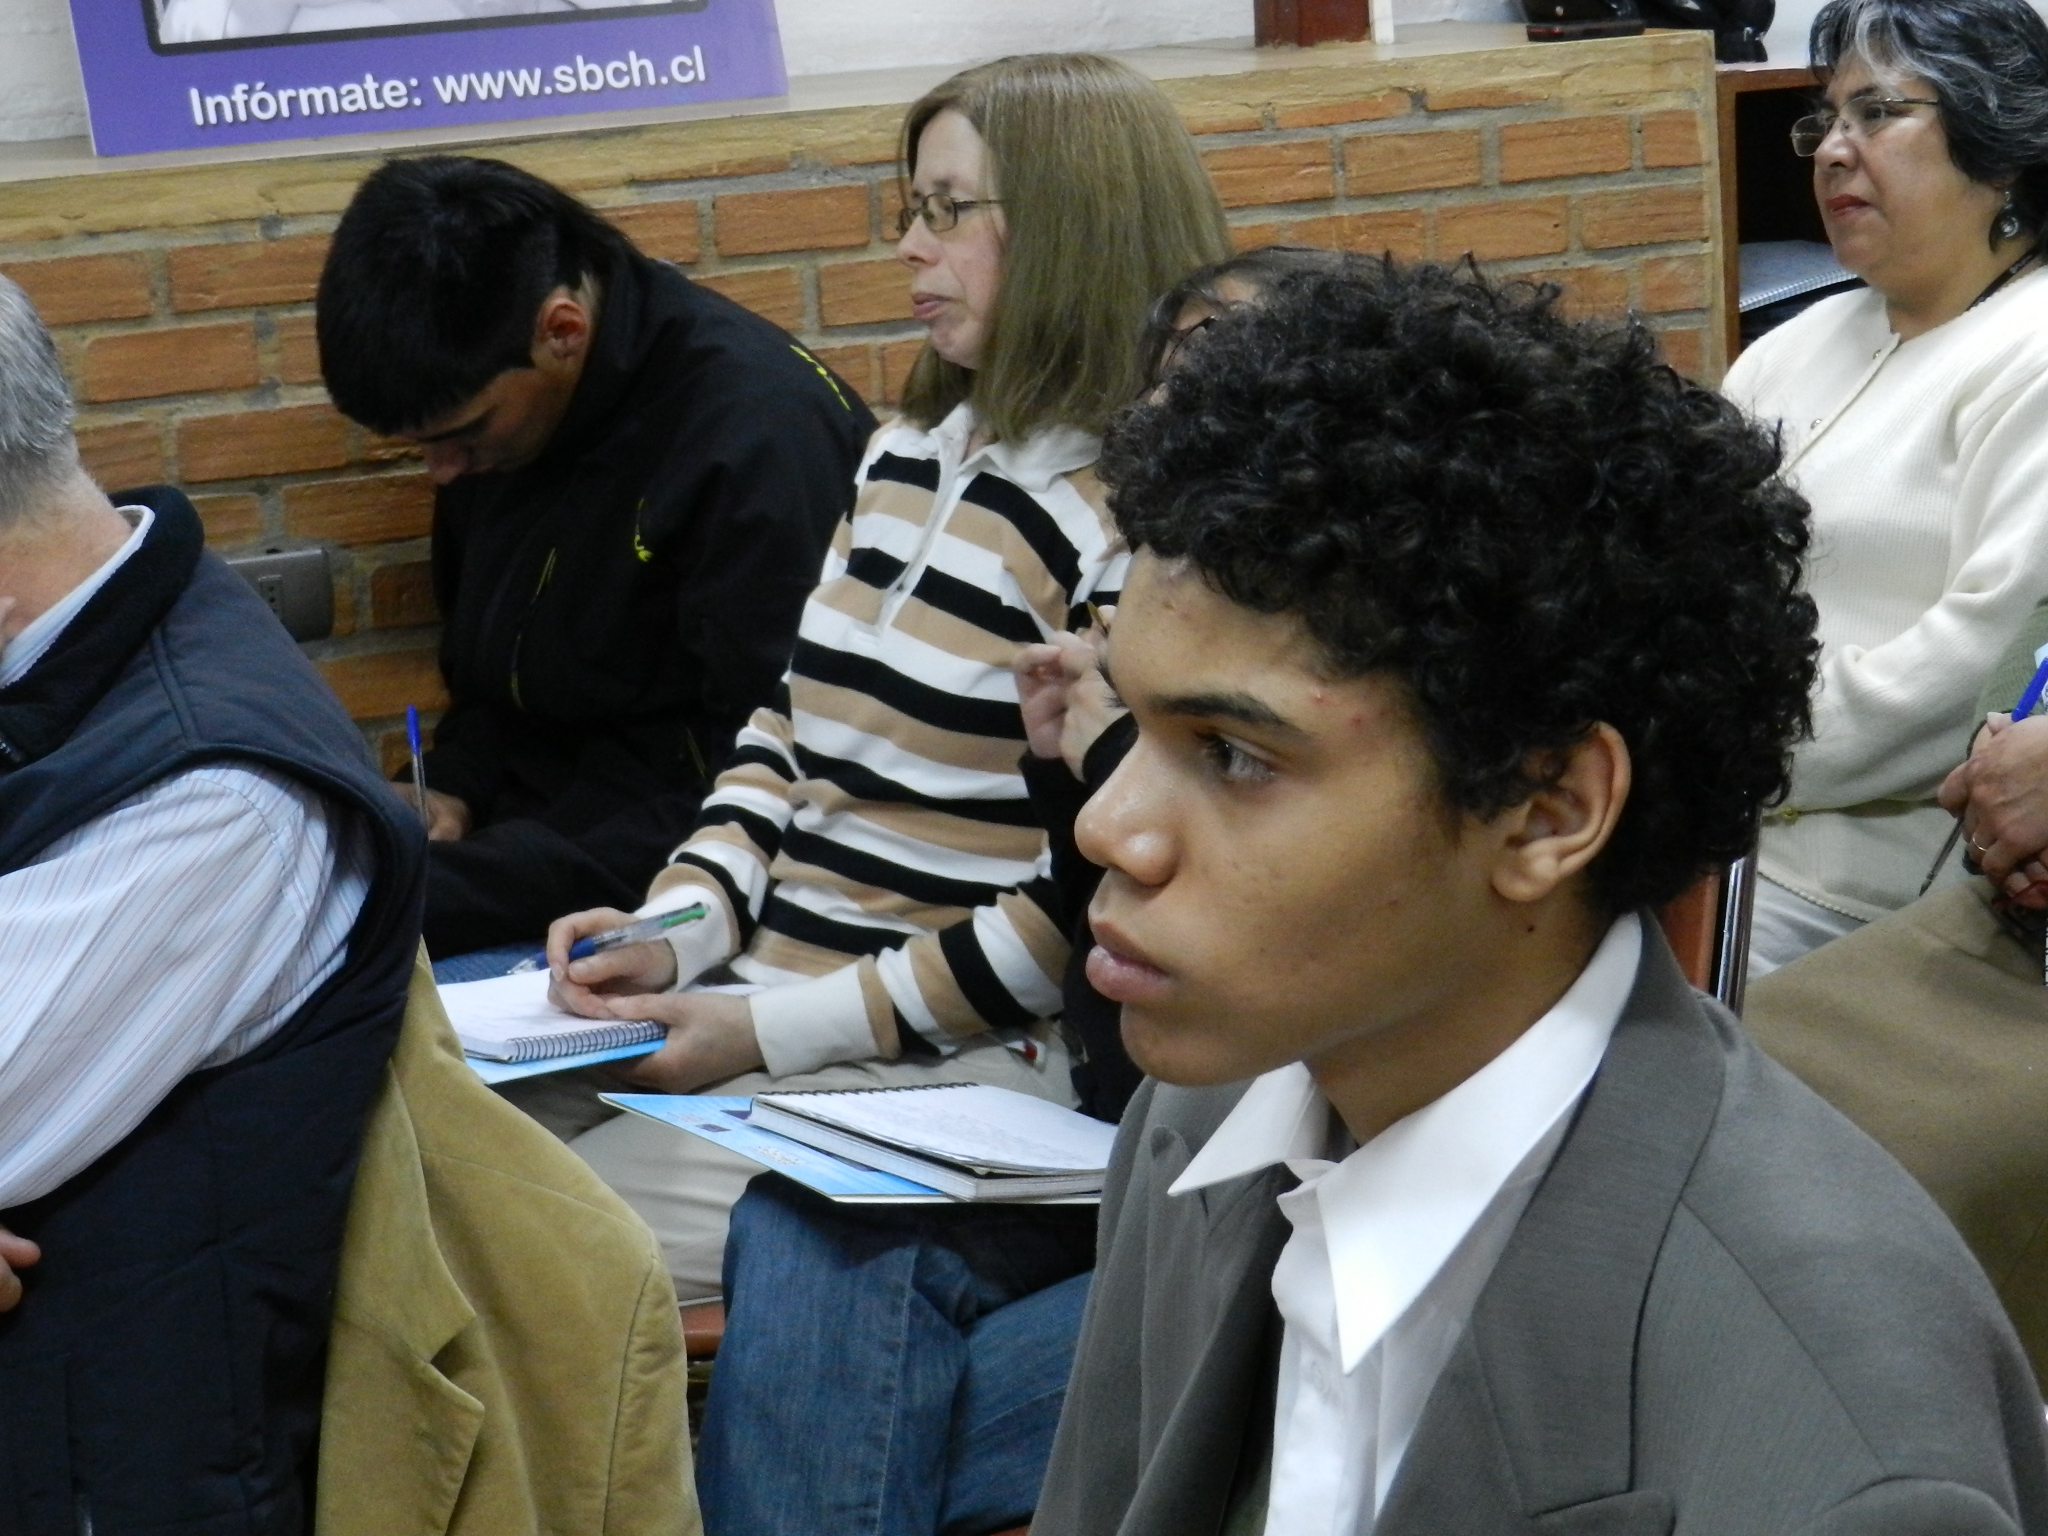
[(188, 74)]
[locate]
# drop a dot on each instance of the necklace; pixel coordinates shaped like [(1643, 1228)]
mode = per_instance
[(2006, 276)]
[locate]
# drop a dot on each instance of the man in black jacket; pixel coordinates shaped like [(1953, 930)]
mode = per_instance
[(638, 481)]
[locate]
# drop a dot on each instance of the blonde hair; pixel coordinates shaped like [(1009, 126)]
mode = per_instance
[(1105, 207)]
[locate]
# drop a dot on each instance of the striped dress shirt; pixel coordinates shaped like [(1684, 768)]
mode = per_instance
[(179, 930), (876, 814)]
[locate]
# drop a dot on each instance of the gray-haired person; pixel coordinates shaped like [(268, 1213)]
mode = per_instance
[(209, 905), (1915, 420)]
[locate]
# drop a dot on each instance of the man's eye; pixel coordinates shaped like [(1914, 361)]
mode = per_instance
[(1233, 764)]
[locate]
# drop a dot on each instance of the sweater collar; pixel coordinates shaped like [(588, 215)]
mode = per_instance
[(40, 710)]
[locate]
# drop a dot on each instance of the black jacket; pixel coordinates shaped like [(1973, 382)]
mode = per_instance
[(615, 610)]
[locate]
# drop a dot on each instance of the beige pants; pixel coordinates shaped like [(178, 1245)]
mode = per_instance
[(683, 1187)]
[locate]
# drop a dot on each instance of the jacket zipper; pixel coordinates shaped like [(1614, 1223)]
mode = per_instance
[(547, 574)]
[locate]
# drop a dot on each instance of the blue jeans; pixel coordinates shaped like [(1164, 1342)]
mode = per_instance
[(483, 963), (889, 1370)]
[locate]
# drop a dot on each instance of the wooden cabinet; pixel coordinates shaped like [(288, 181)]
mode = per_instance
[(1766, 190)]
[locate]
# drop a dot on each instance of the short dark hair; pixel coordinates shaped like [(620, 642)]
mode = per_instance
[(1531, 524), (1988, 63), (1257, 269), (434, 280)]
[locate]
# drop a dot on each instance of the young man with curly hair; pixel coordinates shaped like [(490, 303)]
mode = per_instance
[(1459, 636)]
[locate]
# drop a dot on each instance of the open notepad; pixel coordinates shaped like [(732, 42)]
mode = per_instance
[(509, 1018)]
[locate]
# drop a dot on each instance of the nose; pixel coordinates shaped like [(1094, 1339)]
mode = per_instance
[(1124, 826), (918, 246), (445, 461)]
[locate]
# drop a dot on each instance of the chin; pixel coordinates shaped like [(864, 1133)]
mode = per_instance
[(1188, 1056)]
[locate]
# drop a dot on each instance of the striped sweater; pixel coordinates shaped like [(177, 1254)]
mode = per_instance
[(876, 814)]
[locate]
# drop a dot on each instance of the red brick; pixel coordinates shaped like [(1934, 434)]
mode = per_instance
[(183, 360), (402, 595), (1588, 291), (373, 509), (384, 451), (1496, 93), (1329, 114), (1674, 283), (344, 602), (773, 293), (381, 683), (247, 444), (897, 358), (810, 218), (855, 365), (1403, 232), (1255, 175), (122, 455), (230, 520), (1222, 117), (1566, 146), (667, 230), (1410, 162), (1501, 231), (1671, 139), (71, 289), (1686, 350), (298, 351), (863, 292), (1642, 216), (247, 272)]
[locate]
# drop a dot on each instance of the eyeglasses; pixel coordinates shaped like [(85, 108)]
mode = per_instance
[(1859, 118), (941, 214)]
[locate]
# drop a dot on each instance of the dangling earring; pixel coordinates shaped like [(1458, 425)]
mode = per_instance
[(2007, 225)]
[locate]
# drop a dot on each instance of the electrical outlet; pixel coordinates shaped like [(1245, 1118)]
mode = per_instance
[(295, 584)]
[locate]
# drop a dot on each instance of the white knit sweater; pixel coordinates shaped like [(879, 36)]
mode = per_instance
[(1926, 462)]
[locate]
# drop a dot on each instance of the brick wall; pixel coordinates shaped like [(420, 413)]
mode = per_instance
[(182, 297)]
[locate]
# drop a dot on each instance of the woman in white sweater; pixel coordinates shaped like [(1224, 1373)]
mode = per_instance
[(1915, 420)]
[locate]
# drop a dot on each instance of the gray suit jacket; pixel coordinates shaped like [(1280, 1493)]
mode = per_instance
[(1726, 1312)]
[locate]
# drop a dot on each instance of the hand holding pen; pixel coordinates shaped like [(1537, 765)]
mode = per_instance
[(1999, 797)]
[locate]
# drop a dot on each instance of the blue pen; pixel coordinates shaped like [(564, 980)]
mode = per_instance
[(612, 938), (419, 765), (2030, 696)]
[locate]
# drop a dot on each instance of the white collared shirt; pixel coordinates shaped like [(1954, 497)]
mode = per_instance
[(179, 930), (1392, 1246)]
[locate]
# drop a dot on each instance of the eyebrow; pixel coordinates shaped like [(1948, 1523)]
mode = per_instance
[(1244, 708)]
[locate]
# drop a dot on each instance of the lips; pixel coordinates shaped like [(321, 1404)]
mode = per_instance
[(926, 307), (1844, 204), (1121, 973)]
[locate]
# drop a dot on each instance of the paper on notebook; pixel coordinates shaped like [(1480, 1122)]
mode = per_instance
[(972, 1125), (509, 1018), (722, 1120)]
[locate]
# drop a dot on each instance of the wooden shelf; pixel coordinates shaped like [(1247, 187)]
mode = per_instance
[(1766, 190)]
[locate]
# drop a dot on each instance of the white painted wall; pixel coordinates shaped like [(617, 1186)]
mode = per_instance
[(42, 97)]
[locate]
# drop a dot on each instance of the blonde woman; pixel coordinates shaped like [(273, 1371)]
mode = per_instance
[(870, 859)]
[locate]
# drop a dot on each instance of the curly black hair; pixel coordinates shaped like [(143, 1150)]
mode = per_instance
[(1531, 523)]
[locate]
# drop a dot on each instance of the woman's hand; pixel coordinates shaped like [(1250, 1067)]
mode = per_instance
[(1066, 703), (710, 1038), (2001, 795), (15, 1253), (587, 987)]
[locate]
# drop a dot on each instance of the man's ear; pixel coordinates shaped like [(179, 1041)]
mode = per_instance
[(1559, 830), (562, 329)]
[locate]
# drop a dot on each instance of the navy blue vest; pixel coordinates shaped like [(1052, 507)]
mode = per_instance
[(165, 1367)]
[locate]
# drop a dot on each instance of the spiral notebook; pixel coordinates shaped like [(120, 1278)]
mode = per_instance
[(509, 1018), (967, 1140)]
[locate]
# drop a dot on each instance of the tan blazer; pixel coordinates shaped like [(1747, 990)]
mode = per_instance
[(1929, 1029), (506, 1358)]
